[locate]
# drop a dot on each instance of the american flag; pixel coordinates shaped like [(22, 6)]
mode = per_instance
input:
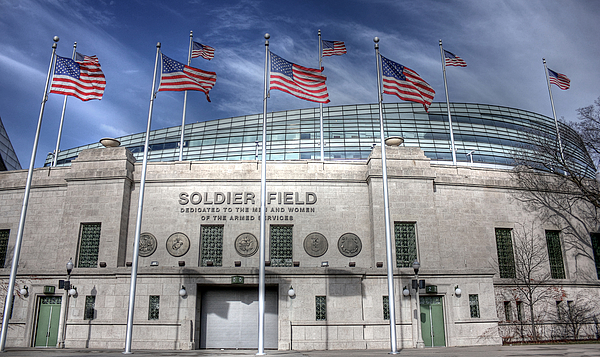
[(454, 60), (178, 77), (405, 83), (82, 78), (204, 51), (304, 83), (559, 79), (331, 48)]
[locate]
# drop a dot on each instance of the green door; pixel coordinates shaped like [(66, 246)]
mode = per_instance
[(47, 321), (432, 321)]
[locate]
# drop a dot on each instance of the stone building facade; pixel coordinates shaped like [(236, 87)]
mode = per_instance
[(325, 239)]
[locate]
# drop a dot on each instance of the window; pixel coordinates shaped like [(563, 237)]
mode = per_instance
[(4, 233), (507, 311), (89, 243), (557, 267), (212, 245), (321, 308), (406, 244), (559, 309), (153, 307), (519, 310), (386, 307), (474, 305), (90, 304), (506, 258), (281, 246), (596, 249)]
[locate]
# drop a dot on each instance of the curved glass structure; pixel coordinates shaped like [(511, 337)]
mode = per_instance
[(489, 135)]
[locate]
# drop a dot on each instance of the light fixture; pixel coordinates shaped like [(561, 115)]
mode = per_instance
[(24, 291), (154, 263), (73, 291), (405, 292), (69, 266), (324, 264), (291, 292), (182, 291), (416, 266), (457, 291)]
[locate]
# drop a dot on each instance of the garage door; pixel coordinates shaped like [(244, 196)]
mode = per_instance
[(229, 318)]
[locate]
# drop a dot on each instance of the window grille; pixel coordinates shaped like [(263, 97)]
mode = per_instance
[(321, 308), (4, 233), (519, 310), (596, 248), (281, 246), (386, 307), (89, 243), (153, 307), (90, 304), (506, 258), (212, 245), (406, 244), (474, 305), (507, 311), (557, 267)]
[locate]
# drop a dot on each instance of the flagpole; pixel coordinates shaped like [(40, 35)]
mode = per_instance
[(448, 106), (263, 209), (321, 104), (386, 209), (562, 156), (138, 226), (62, 117), (185, 102), (17, 251)]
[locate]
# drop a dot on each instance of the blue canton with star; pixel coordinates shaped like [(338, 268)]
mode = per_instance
[(392, 69), (170, 66), (66, 67), (280, 65)]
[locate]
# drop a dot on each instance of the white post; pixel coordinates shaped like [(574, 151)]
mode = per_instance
[(185, 102), (321, 104), (562, 156), (448, 106), (62, 117)]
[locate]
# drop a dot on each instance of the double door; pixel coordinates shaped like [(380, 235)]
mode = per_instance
[(46, 334), (432, 321)]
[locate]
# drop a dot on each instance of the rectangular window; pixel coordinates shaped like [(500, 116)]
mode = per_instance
[(557, 267), (386, 307), (506, 258), (4, 233), (406, 244), (559, 309), (519, 310), (281, 246), (212, 245), (153, 307), (90, 304), (89, 244), (474, 305), (321, 308), (507, 311), (596, 250)]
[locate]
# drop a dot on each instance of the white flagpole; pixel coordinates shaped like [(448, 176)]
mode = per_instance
[(448, 106), (263, 209), (321, 104), (17, 251), (386, 209), (185, 102), (62, 117), (138, 225), (562, 156)]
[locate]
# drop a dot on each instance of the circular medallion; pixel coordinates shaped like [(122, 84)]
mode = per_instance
[(178, 244), (246, 244), (349, 244), (147, 244), (315, 244)]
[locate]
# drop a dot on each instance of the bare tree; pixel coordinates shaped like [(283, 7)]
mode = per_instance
[(588, 128), (574, 315)]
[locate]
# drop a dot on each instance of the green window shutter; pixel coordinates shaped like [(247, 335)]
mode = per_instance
[(281, 246), (506, 258), (557, 267), (406, 244), (212, 245), (89, 244)]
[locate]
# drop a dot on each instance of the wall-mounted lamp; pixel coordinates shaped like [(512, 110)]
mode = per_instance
[(182, 291), (24, 291), (405, 292), (291, 292), (457, 291), (73, 291), (154, 263), (324, 264)]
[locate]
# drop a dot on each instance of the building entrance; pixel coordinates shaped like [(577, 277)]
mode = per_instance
[(432, 321), (46, 334)]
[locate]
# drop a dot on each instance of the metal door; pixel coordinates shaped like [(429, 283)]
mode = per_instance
[(432, 321), (47, 321)]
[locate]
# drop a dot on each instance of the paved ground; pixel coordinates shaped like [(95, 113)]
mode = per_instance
[(574, 350)]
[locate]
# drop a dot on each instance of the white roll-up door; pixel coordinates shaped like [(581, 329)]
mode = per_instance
[(229, 318)]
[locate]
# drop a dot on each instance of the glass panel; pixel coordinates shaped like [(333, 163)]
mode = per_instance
[(90, 303), (153, 307), (557, 267), (281, 246), (507, 311), (89, 245), (406, 244), (506, 258), (212, 245), (596, 248), (4, 233), (386, 307), (321, 308), (474, 305)]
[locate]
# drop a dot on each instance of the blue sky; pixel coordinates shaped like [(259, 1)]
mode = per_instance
[(503, 43)]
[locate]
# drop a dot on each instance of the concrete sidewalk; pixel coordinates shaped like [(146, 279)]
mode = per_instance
[(572, 350)]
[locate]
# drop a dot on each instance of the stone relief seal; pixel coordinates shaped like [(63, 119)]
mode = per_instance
[(246, 244), (178, 244), (349, 245), (148, 244), (315, 244)]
